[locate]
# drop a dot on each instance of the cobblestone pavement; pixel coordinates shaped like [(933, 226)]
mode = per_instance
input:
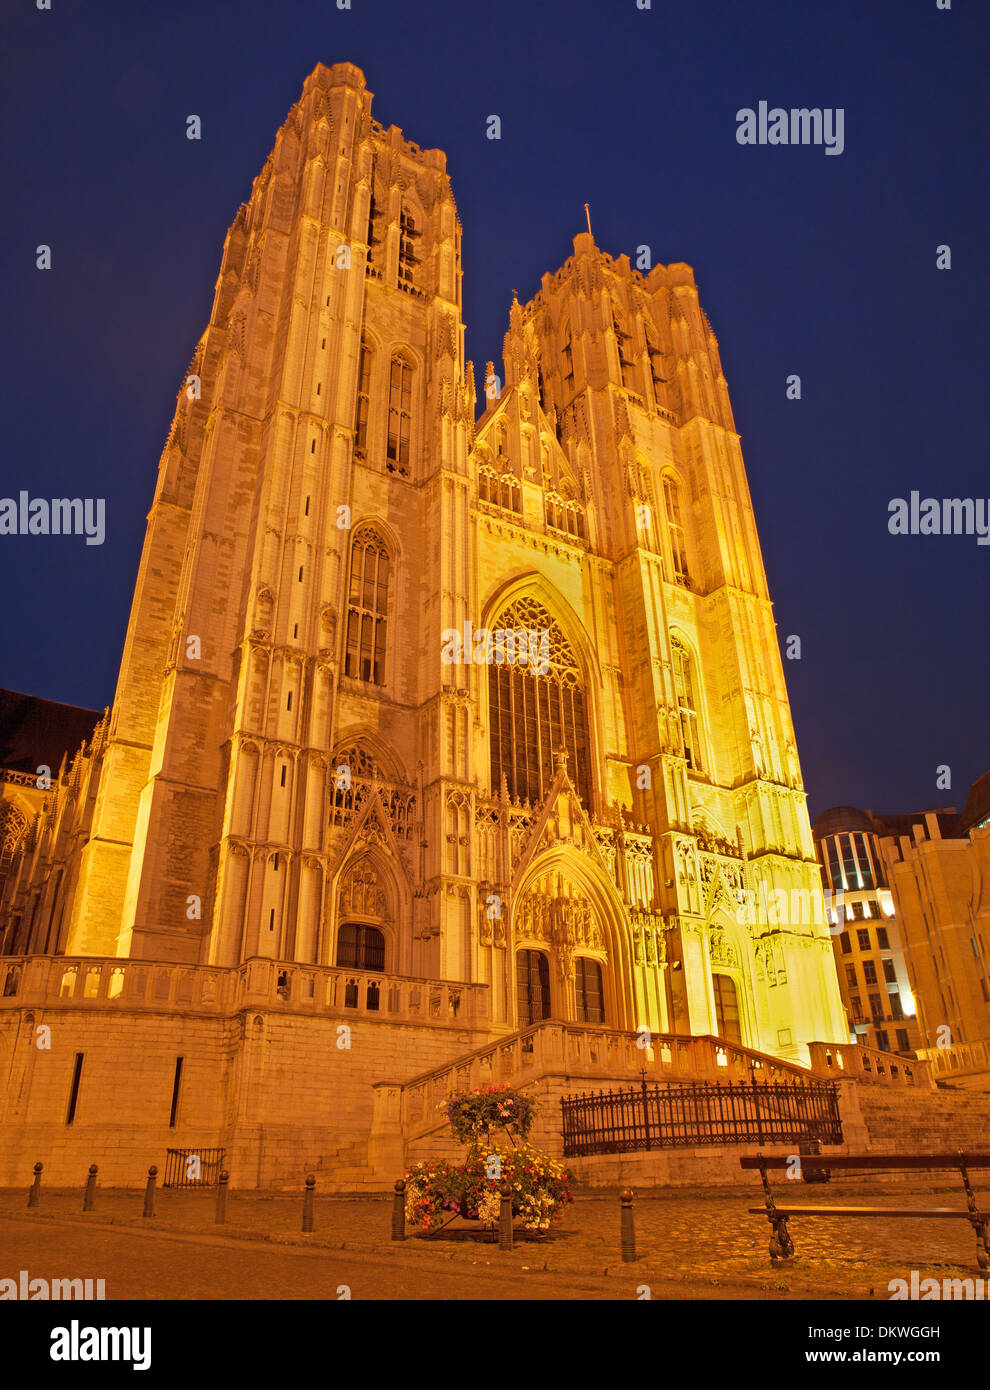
[(701, 1244)]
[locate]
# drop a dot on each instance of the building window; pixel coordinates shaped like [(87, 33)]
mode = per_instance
[(726, 1008), (851, 980), (876, 1006), (364, 398), (627, 367), (360, 947), (503, 491), (367, 609), (845, 942), (408, 236), (896, 1007), (589, 996), (687, 703), (374, 227), (563, 515), (889, 973), (532, 986), (869, 972), (397, 451), (534, 714), (863, 936), (903, 1043), (883, 1042), (675, 530), (856, 1005), (882, 940), (568, 356)]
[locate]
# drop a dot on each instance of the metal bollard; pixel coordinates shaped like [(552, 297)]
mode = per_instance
[(505, 1215), (399, 1211), (221, 1212), (90, 1193), (34, 1191), (308, 1202), (627, 1228), (149, 1192)]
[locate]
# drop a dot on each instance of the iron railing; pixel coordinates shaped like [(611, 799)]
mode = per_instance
[(700, 1113), (181, 1170)]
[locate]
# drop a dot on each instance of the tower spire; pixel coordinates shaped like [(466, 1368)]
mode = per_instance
[(587, 214)]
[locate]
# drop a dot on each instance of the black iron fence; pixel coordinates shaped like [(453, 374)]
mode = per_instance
[(698, 1113), (193, 1167)]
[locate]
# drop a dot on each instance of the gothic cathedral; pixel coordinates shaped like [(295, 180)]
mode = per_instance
[(418, 698)]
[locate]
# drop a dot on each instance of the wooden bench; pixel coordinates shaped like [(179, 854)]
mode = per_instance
[(815, 1167)]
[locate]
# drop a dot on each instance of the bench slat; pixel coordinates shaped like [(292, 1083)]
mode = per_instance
[(863, 1211), (837, 1161)]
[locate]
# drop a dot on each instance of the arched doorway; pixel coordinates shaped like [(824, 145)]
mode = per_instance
[(532, 986)]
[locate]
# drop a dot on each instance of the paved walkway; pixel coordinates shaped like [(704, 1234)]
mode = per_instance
[(694, 1245)]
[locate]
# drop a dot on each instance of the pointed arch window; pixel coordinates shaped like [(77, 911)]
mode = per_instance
[(685, 695), (397, 450), (374, 234), (656, 355), (500, 491), (567, 353), (675, 530), (364, 397), (367, 609), (408, 236), (536, 710), (564, 514), (623, 341)]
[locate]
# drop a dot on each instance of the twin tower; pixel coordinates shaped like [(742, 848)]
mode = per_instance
[(300, 766)]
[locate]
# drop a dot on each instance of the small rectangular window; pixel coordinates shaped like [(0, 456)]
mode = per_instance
[(300, 573), (175, 1093), (283, 774), (271, 920), (306, 512), (319, 387), (295, 629), (312, 447), (74, 1089), (288, 700)]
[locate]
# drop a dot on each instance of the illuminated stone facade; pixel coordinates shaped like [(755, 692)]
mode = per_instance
[(298, 769)]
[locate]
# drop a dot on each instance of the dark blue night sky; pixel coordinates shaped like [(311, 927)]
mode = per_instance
[(810, 264)]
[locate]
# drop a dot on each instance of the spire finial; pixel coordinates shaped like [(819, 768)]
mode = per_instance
[(587, 213)]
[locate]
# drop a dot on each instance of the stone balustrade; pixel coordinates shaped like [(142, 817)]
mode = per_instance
[(857, 1063), (958, 1059), (257, 983), (576, 1050)]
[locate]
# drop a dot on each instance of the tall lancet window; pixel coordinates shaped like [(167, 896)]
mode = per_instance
[(408, 236), (685, 694), (364, 398), (536, 706), (399, 416), (675, 530), (367, 609)]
